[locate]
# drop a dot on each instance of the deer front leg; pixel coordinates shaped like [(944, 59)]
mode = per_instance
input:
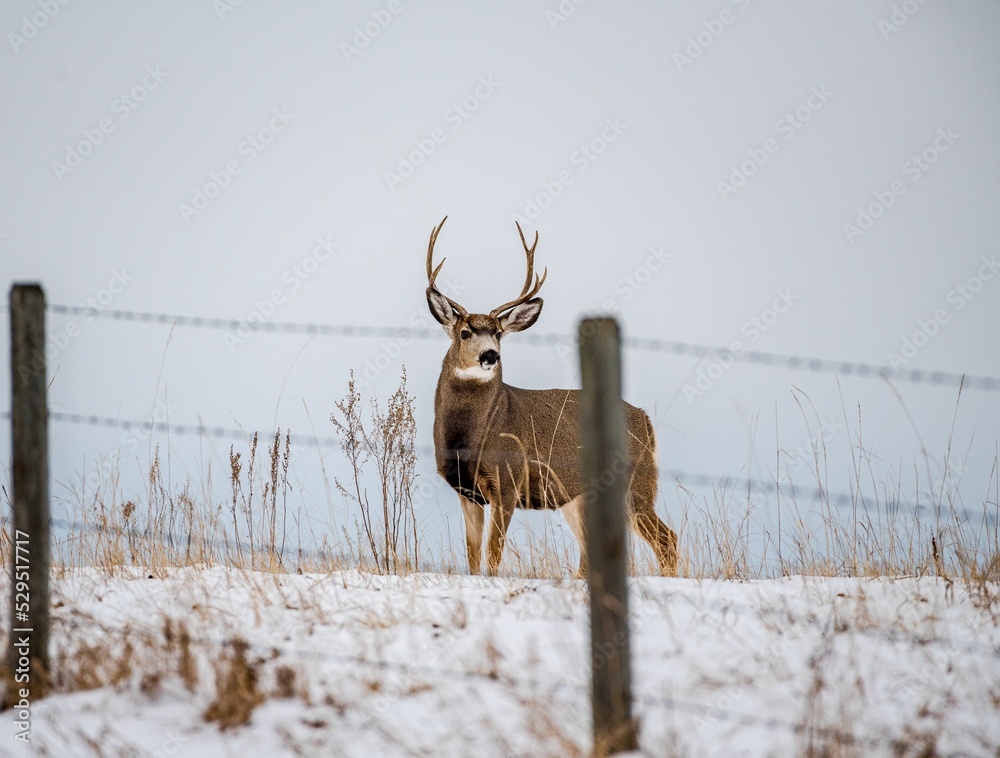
[(475, 515), (500, 515)]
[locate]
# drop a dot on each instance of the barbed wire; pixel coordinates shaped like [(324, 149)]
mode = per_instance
[(200, 430), (682, 478), (727, 482), (645, 344)]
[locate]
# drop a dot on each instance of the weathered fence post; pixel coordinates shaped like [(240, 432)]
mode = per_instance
[(28, 654), (604, 459)]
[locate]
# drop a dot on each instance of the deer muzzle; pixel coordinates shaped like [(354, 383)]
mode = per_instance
[(488, 359)]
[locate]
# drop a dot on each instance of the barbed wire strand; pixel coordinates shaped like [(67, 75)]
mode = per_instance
[(682, 478), (645, 344)]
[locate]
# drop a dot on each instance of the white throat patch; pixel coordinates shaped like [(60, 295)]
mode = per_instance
[(478, 373)]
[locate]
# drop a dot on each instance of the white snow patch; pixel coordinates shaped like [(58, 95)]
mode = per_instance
[(441, 665)]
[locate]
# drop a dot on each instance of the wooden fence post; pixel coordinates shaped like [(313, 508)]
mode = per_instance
[(28, 654), (604, 458)]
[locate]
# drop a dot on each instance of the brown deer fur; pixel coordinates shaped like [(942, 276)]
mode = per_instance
[(505, 447)]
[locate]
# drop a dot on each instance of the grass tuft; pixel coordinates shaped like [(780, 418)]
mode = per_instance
[(236, 688)]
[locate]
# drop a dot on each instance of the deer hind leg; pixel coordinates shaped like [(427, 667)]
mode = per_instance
[(573, 513), (475, 516), (660, 537)]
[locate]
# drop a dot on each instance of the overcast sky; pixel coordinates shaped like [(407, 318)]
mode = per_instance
[(811, 179)]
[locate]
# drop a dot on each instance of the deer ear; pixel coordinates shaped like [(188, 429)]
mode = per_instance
[(522, 316), (441, 309)]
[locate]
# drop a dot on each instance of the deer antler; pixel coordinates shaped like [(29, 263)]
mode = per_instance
[(526, 293), (433, 272)]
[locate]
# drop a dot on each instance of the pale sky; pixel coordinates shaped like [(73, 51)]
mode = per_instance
[(807, 179)]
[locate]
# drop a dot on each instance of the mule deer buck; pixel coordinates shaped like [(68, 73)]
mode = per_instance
[(507, 447)]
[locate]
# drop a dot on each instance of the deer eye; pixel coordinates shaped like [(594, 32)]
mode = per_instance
[(466, 334)]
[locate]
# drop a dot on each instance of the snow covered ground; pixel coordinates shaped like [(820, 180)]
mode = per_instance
[(351, 664)]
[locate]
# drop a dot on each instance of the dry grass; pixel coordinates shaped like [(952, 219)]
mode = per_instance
[(237, 690), (724, 533), (886, 528), (387, 441)]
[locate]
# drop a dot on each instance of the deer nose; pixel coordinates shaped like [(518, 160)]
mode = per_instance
[(489, 358)]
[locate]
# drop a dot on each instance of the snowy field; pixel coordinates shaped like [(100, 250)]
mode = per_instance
[(352, 664)]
